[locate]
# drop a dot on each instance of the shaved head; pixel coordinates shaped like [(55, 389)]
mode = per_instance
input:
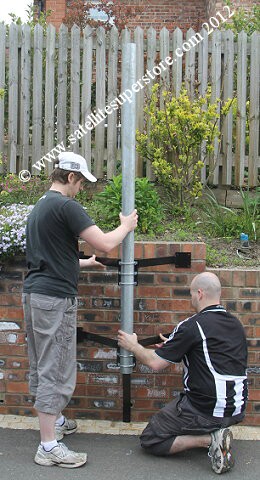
[(210, 285)]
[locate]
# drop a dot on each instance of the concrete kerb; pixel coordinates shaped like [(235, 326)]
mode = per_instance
[(112, 428)]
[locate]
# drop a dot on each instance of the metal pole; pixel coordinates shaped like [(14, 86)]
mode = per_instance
[(128, 201)]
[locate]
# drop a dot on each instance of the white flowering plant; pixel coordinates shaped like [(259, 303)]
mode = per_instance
[(12, 229)]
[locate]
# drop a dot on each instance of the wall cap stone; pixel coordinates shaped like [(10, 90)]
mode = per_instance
[(107, 427)]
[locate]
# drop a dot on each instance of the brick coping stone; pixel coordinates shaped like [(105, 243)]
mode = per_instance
[(112, 428)]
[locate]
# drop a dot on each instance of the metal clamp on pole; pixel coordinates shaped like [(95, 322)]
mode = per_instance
[(121, 356), (124, 274), (118, 356)]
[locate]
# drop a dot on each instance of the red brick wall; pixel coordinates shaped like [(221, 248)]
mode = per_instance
[(58, 8), (159, 14), (169, 14), (161, 301)]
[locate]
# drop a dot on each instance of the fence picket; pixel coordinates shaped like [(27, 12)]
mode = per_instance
[(151, 55), (124, 38), (2, 86), (37, 96), (62, 85), (216, 88), (49, 93), (139, 40), (151, 58), (190, 62), (203, 64), (164, 52), (254, 111), (241, 108), (100, 101), (13, 97), (75, 134), (24, 119), (228, 93), (177, 61), (112, 94), (87, 90)]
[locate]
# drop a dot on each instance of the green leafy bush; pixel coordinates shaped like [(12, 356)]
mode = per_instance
[(251, 213), (174, 131), (107, 206), (247, 20), (219, 220), (226, 222)]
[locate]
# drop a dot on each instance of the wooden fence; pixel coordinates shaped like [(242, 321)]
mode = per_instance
[(53, 82)]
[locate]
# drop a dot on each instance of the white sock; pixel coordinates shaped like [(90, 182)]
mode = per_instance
[(48, 446), (60, 420)]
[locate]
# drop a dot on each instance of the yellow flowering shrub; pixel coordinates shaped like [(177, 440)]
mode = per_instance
[(174, 131)]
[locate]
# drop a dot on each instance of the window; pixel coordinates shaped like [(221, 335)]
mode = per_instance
[(98, 15)]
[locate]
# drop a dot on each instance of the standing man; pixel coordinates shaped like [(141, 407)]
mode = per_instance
[(212, 346), (49, 299)]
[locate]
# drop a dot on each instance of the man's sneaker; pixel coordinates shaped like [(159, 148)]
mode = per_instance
[(60, 456), (220, 450), (69, 426)]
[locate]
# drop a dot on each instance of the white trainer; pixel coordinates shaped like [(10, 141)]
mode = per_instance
[(60, 456), (220, 451), (68, 427)]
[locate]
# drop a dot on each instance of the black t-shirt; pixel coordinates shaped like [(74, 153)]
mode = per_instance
[(52, 233), (212, 346)]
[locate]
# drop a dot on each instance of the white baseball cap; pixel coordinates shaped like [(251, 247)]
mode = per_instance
[(75, 163)]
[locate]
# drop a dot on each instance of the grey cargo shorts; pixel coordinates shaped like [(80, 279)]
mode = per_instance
[(51, 335), (177, 418)]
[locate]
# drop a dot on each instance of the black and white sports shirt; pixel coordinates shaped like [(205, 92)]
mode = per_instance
[(212, 346)]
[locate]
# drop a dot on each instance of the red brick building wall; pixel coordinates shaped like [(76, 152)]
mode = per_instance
[(161, 300), (159, 14), (214, 6), (58, 8)]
